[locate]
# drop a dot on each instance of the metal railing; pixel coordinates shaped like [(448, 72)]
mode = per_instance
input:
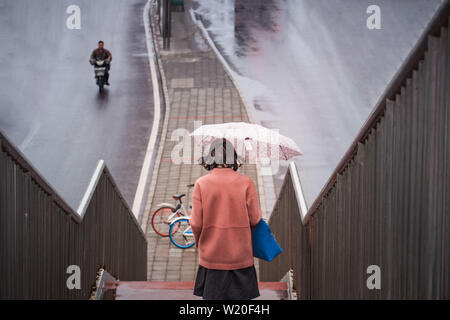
[(41, 236), (286, 223), (164, 14), (388, 201)]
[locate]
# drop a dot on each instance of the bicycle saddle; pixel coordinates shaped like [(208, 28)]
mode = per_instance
[(178, 196)]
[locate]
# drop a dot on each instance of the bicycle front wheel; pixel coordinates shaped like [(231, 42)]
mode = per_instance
[(181, 235)]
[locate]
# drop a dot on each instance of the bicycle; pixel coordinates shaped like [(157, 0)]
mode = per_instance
[(166, 213)]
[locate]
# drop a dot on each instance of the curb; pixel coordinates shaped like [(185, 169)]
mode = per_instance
[(151, 193)]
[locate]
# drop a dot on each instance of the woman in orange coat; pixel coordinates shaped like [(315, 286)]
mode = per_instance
[(225, 208)]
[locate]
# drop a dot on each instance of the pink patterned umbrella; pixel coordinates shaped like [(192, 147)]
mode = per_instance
[(249, 138)]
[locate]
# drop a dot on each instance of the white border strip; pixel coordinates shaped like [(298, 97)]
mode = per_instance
[(298, 192), (91, 187), (138, 198), (166, 115)]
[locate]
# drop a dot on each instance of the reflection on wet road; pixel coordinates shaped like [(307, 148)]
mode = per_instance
[(312, 69)]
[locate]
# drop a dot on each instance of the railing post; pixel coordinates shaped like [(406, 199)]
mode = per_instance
[(166, 23)]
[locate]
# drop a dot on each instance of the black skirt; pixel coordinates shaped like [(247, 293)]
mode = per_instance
[(240, 284)]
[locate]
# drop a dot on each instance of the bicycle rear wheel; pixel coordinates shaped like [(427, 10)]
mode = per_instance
[(183, 237), (160, 222)]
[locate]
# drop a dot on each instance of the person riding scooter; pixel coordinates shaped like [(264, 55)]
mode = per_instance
[(102, 54)]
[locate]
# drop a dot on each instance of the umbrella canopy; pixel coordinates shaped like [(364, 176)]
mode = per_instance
[(248, 137)]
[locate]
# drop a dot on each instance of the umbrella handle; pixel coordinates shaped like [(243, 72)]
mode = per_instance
[(248, 145)]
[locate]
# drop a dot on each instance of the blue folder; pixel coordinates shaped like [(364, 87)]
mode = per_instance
[(264, 244)]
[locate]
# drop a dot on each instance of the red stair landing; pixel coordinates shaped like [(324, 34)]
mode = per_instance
[(158, 290)]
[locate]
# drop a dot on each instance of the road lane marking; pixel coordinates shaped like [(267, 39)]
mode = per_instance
[(138, 198), (145, 54)]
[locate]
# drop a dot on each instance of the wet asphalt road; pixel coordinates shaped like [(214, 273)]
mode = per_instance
[(312, 69), (49, 104)]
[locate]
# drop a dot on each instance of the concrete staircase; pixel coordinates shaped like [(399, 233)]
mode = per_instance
[(159, 290)]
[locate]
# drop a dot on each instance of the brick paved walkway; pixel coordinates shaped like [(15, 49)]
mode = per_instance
[(198, 89)]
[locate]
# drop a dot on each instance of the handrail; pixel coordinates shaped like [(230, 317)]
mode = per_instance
[(84, 204), (405, 71), (299, 192), (100, 285), (76, 216), (91, 187)]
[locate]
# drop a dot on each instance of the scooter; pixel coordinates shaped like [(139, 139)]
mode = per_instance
[(100, 73)]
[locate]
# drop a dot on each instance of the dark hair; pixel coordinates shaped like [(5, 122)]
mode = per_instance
[(101, 42), (221, 152)]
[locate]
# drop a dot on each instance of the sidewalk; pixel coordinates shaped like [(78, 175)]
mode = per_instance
[(197, 88)]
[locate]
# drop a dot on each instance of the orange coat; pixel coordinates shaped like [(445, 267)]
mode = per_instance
[(225, 207)]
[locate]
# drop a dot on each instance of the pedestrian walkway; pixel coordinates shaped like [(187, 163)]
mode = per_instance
[(197, 88)]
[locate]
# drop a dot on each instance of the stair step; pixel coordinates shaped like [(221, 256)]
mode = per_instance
[(160, 290)]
